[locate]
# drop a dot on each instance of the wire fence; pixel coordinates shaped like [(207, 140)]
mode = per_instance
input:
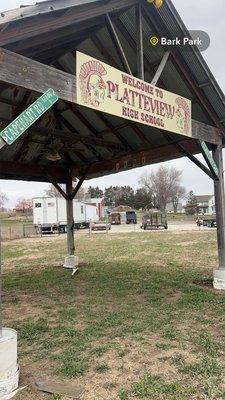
[(19, 232)]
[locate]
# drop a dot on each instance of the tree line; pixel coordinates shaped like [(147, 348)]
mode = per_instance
[(156, 189)]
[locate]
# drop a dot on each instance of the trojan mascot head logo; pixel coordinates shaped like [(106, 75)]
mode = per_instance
[(182, 115), (92, 86)]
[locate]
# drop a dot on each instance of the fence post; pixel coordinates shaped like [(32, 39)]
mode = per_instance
[(1, 282), (90, 228)]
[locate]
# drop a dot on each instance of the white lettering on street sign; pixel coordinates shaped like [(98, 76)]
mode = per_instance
[(28, 117)]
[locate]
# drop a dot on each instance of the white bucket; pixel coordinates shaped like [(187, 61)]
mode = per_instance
[(9, 371), (219, 279), (71, 262), (9, 385)]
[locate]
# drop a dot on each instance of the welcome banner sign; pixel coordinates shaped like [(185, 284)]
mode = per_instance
[(107, 89)]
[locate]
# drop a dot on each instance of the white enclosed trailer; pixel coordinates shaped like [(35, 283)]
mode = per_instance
[(49, 214)]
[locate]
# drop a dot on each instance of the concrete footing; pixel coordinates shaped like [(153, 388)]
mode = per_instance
[(219, 279), (9, 370), (71, 262)]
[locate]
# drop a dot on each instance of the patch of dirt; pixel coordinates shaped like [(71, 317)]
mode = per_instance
[(139, 359), (204, 282), (172, 296)]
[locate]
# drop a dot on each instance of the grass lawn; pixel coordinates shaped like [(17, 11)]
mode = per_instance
[(131, 324), (13, 222)]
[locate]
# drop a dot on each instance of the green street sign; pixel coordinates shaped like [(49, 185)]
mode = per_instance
[(27, 118), (209, 156)]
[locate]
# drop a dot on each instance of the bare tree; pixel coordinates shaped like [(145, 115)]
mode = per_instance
[(145, 183), (179, 193), (3, 199), (53, 192), (163, 185), (82, 194)]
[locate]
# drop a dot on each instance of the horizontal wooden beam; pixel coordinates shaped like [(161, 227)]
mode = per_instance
[(42, 26), (20, 71), (138, 159), (206, 132), (15, 170), (66, 136), (32, 75)]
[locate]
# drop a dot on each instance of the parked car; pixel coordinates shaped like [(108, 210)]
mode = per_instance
[(209, 221), (100, 226)]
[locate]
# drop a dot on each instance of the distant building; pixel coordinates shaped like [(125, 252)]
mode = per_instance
[(99, 203), (206, 204), (170, 209), (24, 207)]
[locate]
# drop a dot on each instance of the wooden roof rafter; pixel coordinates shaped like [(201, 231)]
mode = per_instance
[(183, 69)]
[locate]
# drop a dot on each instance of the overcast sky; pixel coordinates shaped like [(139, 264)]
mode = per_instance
[(204, 15)]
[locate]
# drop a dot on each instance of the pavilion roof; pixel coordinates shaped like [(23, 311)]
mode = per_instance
[(50, 32)]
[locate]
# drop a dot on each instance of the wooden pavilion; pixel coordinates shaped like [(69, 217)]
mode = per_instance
[(38, 46)]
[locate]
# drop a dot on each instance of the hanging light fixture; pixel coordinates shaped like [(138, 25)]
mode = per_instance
[(52, 151), (53, 156)]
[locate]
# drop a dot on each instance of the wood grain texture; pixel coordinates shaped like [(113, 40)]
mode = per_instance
[(32, 75)]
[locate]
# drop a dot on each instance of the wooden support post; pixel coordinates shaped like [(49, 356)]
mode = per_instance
[(220, 205), (70, 220)]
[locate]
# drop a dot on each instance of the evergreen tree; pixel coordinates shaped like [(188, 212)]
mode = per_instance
[(94, 192), (191, 207)]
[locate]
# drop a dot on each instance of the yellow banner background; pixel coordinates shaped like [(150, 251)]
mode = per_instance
[(105, 88)]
